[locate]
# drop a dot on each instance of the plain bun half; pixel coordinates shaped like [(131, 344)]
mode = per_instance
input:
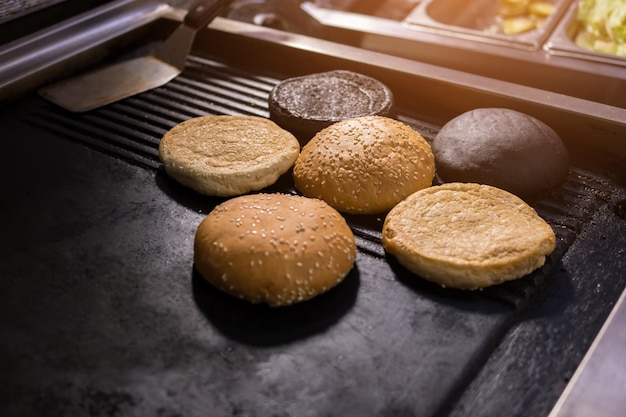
[(227, 155)]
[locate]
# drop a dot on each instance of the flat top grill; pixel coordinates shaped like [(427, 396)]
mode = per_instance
[(103, 313)]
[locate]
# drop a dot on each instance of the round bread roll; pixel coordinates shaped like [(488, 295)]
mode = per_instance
[(274, 248), (227, 155), (307, 104), (364, 165), (467, 236), (503, 148)]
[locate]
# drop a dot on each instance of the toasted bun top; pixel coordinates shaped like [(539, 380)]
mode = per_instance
[(227, 155), (467, 236), (503, 148), (364, 165), (304, 105), (274, 248)]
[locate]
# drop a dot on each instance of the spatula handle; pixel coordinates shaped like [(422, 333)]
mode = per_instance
[(203, 11)]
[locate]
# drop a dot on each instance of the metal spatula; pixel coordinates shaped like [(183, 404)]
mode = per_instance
[(127, 78)]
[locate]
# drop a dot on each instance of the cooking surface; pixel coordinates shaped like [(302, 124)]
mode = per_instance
[(103, 314)]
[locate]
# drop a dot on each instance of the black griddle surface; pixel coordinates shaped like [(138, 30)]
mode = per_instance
[(102, 313)]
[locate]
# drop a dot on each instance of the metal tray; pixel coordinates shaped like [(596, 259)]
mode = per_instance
[(472, 19), (104, 314), (463, 50), (561, 42)]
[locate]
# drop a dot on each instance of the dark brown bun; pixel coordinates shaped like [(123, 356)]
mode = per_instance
[(503, 148), (274, 248), (364, 165), (307, 104)]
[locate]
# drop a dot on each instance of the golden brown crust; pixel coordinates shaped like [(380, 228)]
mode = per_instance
[(274, 248), (227, 155), (467, 236), (364, 165)]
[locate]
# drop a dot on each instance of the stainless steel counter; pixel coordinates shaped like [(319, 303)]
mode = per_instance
[(598, 388)]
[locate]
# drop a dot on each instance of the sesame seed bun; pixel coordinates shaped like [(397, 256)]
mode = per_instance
[(227, 155), (364, 165), (274, 248), (503, 148), (305, 105), (467, 236)]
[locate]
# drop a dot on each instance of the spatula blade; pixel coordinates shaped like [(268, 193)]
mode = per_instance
[(110, 84)]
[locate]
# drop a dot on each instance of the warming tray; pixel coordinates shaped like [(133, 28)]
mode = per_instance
[(561, 42), (472, 19), (522, 59), (104, 315)]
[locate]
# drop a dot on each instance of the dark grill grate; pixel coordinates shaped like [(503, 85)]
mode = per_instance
[(131, 130)]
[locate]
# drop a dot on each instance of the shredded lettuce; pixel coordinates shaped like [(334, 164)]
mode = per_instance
[(603, 26)]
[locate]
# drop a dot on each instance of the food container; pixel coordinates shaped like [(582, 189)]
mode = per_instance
[(483, 20), (521, 59), (562, 42)]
